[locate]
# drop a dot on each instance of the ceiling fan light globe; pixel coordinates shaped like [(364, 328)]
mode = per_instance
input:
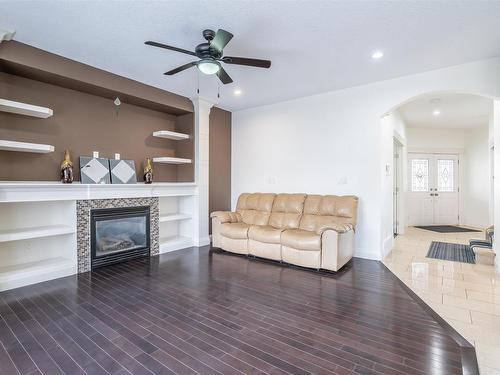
[(208, 66)]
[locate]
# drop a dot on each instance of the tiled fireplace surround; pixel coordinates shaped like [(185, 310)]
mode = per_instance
[(83, 208)]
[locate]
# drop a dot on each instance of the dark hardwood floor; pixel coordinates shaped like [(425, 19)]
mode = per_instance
[(195, 311)]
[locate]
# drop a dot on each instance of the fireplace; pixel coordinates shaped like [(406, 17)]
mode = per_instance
[(119, 234)]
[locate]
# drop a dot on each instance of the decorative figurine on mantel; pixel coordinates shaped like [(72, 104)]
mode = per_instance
[(66, 169), (148, 172)]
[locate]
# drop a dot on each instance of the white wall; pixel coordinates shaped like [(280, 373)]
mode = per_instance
[(491, 126), (496, 162), (392, 126), (400, 129), (491, 147), (436, 140), (477, 183), (474, 172), (332, 142)]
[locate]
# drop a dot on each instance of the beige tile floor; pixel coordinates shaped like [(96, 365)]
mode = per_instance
[(467, 296)]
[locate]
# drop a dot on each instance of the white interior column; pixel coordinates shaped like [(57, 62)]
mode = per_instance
[(201, 156), (496, 180)]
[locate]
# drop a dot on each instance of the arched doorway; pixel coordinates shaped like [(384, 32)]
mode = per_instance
[(438, 163), (467, 148)]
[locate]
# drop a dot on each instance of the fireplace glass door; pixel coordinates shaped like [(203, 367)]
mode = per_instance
[(119, 234)]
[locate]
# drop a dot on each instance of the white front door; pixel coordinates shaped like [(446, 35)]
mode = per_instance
[(433, 189)]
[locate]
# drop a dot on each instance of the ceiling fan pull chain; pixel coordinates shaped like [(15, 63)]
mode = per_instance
[(198, 88), (218, 89)]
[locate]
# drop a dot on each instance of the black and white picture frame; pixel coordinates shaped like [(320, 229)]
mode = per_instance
[(122, 171), (94, 170)]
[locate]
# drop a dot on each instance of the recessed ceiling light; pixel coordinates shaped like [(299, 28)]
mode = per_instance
[(436, 112), (237, 92), (377, 55)]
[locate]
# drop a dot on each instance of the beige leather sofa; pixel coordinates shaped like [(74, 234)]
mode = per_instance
[(315, 231)]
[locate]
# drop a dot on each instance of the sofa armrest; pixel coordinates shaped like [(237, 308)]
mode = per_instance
[(219, 218), (337, 248), (226, 216), (339, 228)]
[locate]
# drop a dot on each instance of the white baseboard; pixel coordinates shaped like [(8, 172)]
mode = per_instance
[(370, 254), (204, 241), (387, 246)]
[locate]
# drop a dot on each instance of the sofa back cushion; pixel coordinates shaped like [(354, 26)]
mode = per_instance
[(255, 208), (287, 211), (320, 211)]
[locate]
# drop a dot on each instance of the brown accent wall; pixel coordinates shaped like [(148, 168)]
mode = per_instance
[(82, 123), (220, 161), (85, 120), (30, 62)]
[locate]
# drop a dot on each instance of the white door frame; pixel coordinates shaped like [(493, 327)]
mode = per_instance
[(398, 187), (440, 151), (492, 183)]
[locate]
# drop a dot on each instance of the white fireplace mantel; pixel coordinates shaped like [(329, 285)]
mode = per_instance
[(38, 224), (56, 191)]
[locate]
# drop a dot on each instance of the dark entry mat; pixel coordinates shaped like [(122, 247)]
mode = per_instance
[(451, 251), (446, 228)]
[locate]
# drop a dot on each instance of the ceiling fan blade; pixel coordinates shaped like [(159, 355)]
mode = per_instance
[(161, 45), (180, 68), (221, 39), (223, 76), (245, 61)]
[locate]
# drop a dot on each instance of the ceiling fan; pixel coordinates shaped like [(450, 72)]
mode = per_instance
[(211, 54)]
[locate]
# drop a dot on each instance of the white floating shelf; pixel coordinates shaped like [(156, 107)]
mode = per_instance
[(34, 232), (174, 217), (34, 272), (171, 160), (25, 147), (25, 109), (174, 243), (170, 135)]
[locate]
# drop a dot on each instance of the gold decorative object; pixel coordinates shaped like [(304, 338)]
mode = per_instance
[(66, 169), (148, 172)]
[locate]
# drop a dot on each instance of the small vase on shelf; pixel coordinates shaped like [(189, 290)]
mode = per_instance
[(66, 169), (148, 172)]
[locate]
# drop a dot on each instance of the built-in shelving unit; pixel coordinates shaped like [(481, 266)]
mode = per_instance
[(25, 109), (38, 224), (176, 223), (171, 160), (34, 232), (37, 241), (13, 276), (174, 217), (25, 147), (170, 135)]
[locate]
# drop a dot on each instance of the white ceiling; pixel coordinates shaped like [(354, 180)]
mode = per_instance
[(457, 111), (315, 46)]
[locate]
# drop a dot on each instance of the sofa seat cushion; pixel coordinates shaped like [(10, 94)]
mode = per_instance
[(302, 258), (301, 239), (236, 231), (265, 233)]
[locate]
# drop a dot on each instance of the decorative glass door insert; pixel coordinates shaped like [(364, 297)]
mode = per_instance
[(433, 189)]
